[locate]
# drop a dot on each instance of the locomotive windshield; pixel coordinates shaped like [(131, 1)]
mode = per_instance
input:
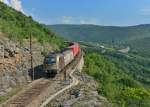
[(50, 60)]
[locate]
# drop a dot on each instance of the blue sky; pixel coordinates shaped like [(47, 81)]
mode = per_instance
[(101, 12)]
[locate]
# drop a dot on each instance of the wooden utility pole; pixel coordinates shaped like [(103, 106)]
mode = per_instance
[(31, 56), (2, 61)]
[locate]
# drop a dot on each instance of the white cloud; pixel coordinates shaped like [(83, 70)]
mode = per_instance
[(145, 11), (16, 4), (89, 21), (67, 19), (78, 20)]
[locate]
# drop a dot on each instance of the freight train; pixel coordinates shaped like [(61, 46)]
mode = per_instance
[(56, 62)]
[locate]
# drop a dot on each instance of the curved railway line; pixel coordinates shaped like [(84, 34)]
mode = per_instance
[(43, 90), (74, 83)]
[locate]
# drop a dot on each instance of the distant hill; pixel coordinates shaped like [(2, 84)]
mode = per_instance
[(106, 34), (18, 26), (136, 37), (141, 46)]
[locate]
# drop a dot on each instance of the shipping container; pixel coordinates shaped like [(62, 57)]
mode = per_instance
[(68, 56), (75, 48)]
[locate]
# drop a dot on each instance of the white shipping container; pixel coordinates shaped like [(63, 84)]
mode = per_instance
[(68, 56)]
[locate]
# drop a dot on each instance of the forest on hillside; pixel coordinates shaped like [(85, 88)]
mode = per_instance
[(18, 26), (115, 83)]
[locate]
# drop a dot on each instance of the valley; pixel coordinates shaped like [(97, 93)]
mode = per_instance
[(106, 60)]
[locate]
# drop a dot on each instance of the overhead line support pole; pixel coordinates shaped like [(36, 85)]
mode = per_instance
[(31, 56)]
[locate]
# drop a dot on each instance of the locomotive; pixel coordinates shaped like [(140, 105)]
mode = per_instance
[(56, 62)]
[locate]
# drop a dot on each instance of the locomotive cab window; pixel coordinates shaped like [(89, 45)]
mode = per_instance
[(50, 60)]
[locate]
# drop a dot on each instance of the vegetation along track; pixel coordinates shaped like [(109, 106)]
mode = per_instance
[(43, 89)]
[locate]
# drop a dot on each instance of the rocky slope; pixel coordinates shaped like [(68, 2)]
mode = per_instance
[(15, 63)]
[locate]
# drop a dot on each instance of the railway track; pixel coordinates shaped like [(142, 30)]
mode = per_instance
[(38, 91), (74, 83), (29, 94)]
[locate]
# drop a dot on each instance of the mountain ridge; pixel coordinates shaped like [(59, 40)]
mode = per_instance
[(98, 33)]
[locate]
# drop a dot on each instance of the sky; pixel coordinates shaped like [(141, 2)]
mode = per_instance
[(99, 12)]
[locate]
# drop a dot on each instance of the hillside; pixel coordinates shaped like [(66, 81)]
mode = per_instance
[(105, 34), (120, 75), (114, 81), (15, 57), (17, 26)]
